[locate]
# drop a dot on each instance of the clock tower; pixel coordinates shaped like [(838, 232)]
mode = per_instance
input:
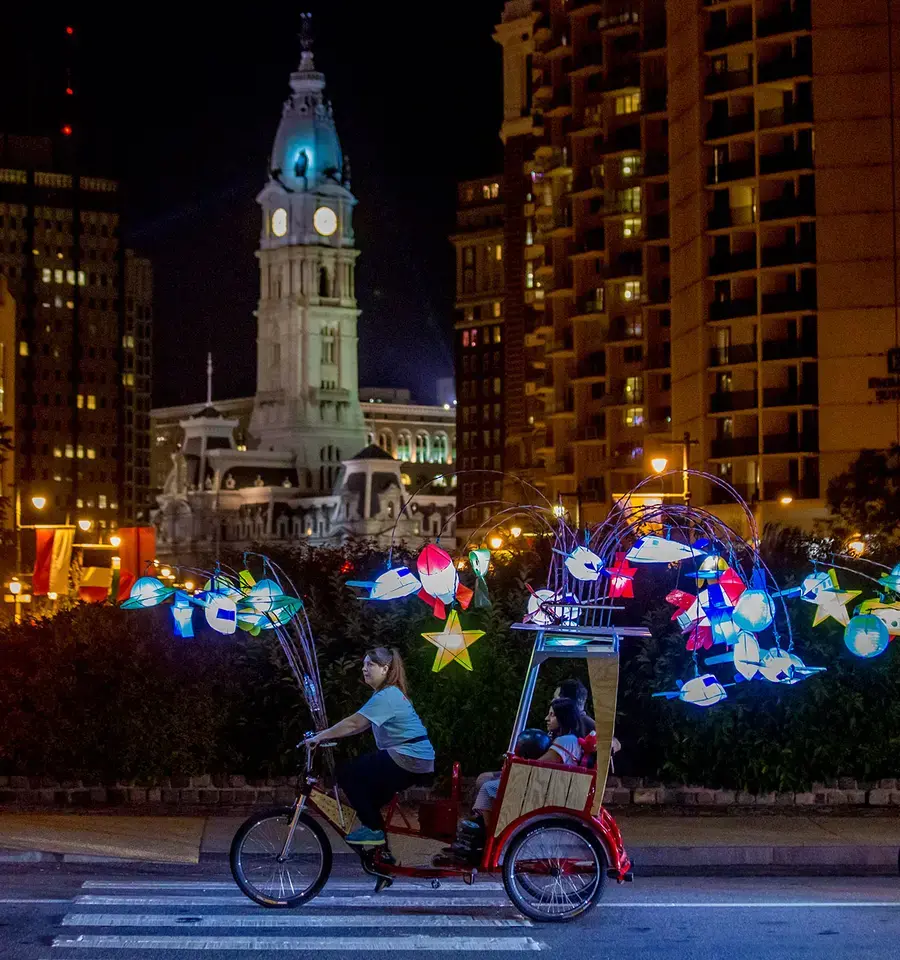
[(307, 393)]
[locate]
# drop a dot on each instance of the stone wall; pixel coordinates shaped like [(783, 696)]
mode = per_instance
[(218, 794)]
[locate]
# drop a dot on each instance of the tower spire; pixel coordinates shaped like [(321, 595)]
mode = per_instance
[(209, 372), (306, 42)]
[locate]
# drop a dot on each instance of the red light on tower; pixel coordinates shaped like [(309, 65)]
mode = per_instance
[(67, 130), (70, 30), (69, 92)]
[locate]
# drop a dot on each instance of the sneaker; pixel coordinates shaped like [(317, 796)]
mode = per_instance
[(364, 837)]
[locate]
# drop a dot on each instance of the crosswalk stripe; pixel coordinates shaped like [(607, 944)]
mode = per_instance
[(285, 920), (318, 944), (381, 901), (230, 885)]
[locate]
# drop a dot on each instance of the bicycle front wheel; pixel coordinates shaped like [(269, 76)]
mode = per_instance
[(268, 878)]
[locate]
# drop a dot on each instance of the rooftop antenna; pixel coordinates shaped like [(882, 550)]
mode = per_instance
[(209, 372)]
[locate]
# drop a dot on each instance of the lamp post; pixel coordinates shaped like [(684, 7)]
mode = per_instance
[(560, 511), (659, 464), (38, 503), (15, 588)]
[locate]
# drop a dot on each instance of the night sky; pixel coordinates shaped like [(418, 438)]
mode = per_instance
[(185, 112)]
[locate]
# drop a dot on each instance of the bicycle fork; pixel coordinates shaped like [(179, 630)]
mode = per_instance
[(299, 805)]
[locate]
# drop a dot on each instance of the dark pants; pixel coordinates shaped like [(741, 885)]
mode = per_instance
[(369, 782)]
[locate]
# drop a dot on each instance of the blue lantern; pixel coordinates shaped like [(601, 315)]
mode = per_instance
[(147, 592), (182, 614), (866, 636), (754, 611)]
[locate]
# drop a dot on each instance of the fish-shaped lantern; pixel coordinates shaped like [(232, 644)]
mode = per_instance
[(440, 581), (663, 550)]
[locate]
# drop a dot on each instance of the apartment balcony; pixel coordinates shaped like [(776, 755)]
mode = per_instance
[(730, 217), (593, 368), (544, 444), (656, 226), (729, 36), (594, 241), (723, 448), (729, 80), (627, 265), (732, 263), (562, 346), (788, 254), (589, 55), (562, 468), (785, 116), (622, 330), (806, 489), (785, 68), (592, 433), (659, 422), (660, 357), (806, 395), (730, 400), (655, 100), (622, 78), (546, 383), (561, 99), (618, 394), (564, 407), (591, 304), (732, 355), (791, 443), (800, 301), (788, 208), (659, 293), (793, 21), (789, 349), (626, 460), (732, 170), (719, 496), (591, 179), (732, 309), (654, 38), (656, 165), (625, 138), (720, 127), (785, 160)]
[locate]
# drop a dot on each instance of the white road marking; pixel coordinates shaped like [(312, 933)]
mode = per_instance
[(378, 901), (317, 944), (750, 905), (35, 900), (283, 920), (231, 885)]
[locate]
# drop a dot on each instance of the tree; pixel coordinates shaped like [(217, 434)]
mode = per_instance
[(865, 499)]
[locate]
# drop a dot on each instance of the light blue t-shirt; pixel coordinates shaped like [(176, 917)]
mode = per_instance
[(394, 721)]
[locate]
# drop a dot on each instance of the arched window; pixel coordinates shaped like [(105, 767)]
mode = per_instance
[(386, 441), (439, 448), (370, 439), (421, 448), (403, 445), (324, 283)]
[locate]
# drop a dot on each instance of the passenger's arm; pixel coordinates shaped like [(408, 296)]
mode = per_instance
[(552, 756), (348, 727)]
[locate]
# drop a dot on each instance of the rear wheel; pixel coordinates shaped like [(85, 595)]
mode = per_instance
[(259, 869), (554, 871)]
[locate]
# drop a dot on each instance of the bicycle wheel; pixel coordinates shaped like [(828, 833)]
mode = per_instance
[(258, 869), (554, 871)]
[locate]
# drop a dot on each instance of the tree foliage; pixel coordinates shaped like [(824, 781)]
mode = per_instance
[(865, 499)]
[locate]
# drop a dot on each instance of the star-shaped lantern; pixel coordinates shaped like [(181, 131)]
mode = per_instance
[(621, 574), (453, 643), (831, 601)]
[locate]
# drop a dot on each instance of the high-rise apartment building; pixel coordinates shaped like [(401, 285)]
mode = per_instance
[(479, 346), (710, 243), (82, 343)]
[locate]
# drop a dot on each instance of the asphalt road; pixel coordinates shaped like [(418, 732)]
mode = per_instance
[(112, 912)]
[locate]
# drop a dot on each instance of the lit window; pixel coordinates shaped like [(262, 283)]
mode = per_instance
[(101, 501), (497, 335), (529, 276), (91, 453), (46, 274), (405, 479), (469, 314), (70, 277), (465, 338), (79, 503), (634, 389), (629, 200), (634, 416), (70, 451), (498, 386), (486, 191), (495, 191), (631, 291), (57, 478), (631, 166), (128, 341), (114, 506), (496, 308), (82, 280), (634, 326), (91, 402), (498, 251), (128, 379), (630, 103), (80, 401), (80, 452), (473, 337), (23, 348), (57, 276), (57, 451), (70, 304), (631, 227)]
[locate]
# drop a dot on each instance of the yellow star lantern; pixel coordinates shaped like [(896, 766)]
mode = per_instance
[(453, 643), (831, 601)]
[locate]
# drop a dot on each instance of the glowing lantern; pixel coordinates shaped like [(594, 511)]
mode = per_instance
[(440, 580), (866, 636), (724, 631), (182, 614), (621, 574), (887, 613), (832, 602), (547, 608), (391, 585), (453, 643), (891, 581), (711, 568), (754, 611), (263, 596), (777, 666), (702, 691), (584, 565), (147, 592), (746, 655), (221, 613), (661, 550), (480, 561), (816, 582)]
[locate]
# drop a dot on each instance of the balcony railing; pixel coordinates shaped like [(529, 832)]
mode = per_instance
[(730, 309), (594, 241), (800, 396), (783, 116), (622, 77), (788, 254), (791, 302), (732, 170), (791, 443), (807, 489), (786, 160), (719, 496), (737, 123), (730, 217), (593, 431), (789, 349), (734, 447), (562, 345), (562, 467), (788, 22), (625, 138), (786, 208), (785, 68), (732, 355), (627, 265), (657, 226), (728, 80), (591, 304), (738, 33), (732, 262), (729, 400), (593, 366)]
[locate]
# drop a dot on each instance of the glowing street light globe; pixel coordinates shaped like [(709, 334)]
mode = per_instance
[(39, 502), (866, 636), (754, 611)]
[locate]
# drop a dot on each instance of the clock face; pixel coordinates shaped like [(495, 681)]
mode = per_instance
[(279, 222), (325, 221)]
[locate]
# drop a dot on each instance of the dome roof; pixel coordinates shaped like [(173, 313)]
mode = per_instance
[(307, 151), (371, 452)]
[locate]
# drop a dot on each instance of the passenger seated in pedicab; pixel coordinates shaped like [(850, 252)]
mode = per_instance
[(559, 745), (575, 690), (405, 756)]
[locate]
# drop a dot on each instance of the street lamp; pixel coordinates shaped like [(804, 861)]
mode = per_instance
[(685, 443), (115, 540), (856, 545), (15, 588), (85, 525), (38, 503), (516, 532), (785, 499), (495, 542), (659, 464)]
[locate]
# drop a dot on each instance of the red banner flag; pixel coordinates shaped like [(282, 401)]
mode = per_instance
[(137, 549)]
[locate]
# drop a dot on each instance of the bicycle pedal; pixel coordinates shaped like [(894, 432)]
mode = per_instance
[(385, 856), (382, 883)]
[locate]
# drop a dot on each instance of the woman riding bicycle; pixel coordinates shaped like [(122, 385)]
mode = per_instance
[(405, 756)]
